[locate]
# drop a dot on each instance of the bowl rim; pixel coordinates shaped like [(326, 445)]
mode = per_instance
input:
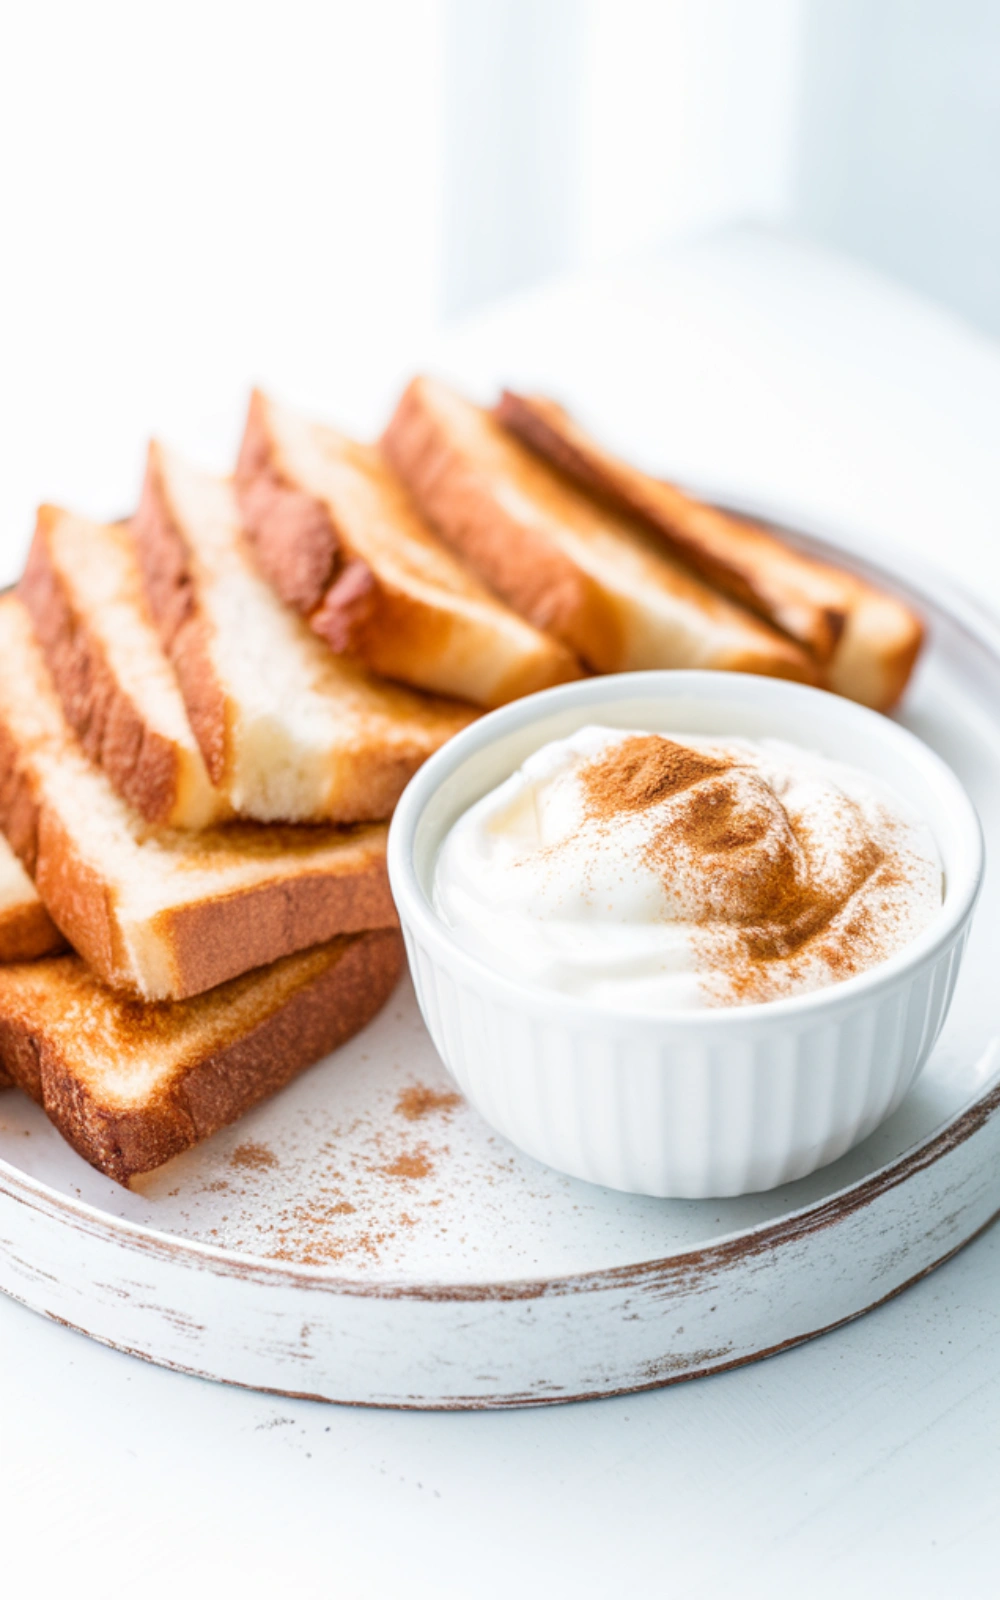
[(416, 908)]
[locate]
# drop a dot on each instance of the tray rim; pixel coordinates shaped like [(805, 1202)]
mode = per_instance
[(931, 590), (949, 1135)]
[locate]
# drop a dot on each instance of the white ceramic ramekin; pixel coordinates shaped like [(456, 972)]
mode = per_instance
[(717, 1102)]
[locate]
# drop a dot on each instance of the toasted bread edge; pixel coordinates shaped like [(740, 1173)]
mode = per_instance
[(537, 581), (172, 597), (76, 898), (319, 1016), (219, 938), (27, 932), (142, 765), (547, 429)]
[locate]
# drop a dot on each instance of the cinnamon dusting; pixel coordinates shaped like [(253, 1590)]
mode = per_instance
[(419, 1100), (253, 1155), (411, 1164), (748, 875), (642, 770)]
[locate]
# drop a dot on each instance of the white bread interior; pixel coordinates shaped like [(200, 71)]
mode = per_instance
[(307, 737), (125, 894), (434, 624)]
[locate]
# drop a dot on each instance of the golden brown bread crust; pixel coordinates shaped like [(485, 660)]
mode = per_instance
[(19, 808), (74, 895), (744, 561), (296, 543), (170, 592), (878, 648), (142, 765), (313, 1016), (538, 581), (302, 554), (19, 1064), (356, 615), (214, 939), (27, 931)]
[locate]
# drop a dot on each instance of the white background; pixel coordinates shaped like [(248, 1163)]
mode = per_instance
[(201, 194), (195, 195)]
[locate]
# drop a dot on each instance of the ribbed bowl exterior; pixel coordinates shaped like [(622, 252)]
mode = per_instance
[(662, 1108)]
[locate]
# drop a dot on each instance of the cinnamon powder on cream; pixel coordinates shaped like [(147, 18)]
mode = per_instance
[(669, 874)]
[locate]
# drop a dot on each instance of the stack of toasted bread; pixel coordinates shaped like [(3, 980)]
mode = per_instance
[(207, 714)]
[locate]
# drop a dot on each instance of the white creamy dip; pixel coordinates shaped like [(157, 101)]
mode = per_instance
[(669, 872)]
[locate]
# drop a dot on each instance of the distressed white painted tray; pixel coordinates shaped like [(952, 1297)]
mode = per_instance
[(365, 1238)]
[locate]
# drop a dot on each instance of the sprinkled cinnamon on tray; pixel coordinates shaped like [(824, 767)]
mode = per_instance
[(253, 1155), (419, 1100), (412, 1164)]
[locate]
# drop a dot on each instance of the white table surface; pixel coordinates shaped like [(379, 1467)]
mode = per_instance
[(867, 1461)]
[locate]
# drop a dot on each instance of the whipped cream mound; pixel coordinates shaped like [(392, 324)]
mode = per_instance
[(672, 872)]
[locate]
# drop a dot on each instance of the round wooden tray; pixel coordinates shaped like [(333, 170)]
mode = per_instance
[(365, 1238)]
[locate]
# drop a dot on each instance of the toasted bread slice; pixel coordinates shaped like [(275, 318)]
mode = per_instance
[(288, 731), (130, 1084), (26, 929), (878, 649), (84, 590), (340, 539), (590, 575), (803, 598), (161, 912), (866, 641)]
